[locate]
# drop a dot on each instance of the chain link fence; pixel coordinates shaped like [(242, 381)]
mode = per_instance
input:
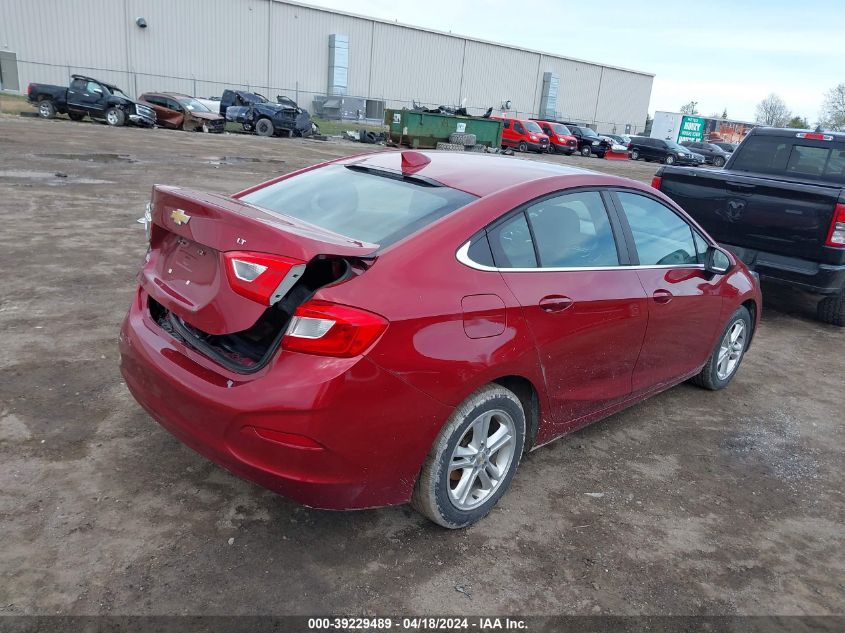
[(136, 83)]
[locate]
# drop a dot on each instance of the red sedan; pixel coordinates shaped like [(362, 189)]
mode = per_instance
[(404, 326)]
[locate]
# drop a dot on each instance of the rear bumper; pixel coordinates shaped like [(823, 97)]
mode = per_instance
[(367, 431), (810, 276)]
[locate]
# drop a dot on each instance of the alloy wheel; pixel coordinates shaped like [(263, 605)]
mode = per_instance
[(731, 350), (481, 459)]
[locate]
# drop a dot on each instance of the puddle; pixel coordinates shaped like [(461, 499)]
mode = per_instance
[(238, 160), (50, 177), (93, 158)]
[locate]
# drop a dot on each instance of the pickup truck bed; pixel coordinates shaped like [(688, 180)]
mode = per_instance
[(779, 205)]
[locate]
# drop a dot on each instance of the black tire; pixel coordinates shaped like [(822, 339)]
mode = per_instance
[(46, 109), (115, 117), (432, 496), (552, 148), (459, 138), (669, 160), (586, 152), (76, 116), (708, 377), (522, 147), (718, 161), (831, 310), (635, 155), (264, 127)]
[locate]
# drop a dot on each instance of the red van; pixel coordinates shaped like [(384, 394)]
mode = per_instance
[(523, 135), (561, 140)]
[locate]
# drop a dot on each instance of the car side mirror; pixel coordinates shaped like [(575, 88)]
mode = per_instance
[(717, 261)]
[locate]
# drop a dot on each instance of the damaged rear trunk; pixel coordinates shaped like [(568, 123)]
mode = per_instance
[(249, 350), (225, 277)]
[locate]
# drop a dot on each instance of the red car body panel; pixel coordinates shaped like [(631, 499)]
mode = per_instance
[(353, 432)]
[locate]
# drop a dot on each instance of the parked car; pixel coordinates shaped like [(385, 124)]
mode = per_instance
[(728, 147), (523, 135), (182, 112), (266, 118), (91, 97), (712, 153), (313, 347), (561, 140), (779, 205), (618, 138), (669, 152), (589, 142)]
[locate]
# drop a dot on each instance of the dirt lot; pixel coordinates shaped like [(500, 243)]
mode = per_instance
[(709, 503)]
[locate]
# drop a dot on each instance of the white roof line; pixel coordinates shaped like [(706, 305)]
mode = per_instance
[(461, 37)]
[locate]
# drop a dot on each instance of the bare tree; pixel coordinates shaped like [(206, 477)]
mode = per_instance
[(690, 108), (772, 111), (725, 113), (833, 109)]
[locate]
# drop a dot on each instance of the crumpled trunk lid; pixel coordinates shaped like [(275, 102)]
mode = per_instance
[(185, 268)]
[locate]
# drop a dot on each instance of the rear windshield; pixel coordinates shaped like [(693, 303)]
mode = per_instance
[(380, 209), (813, 160)]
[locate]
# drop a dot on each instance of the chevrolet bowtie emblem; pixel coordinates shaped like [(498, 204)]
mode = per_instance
[(179, 217)]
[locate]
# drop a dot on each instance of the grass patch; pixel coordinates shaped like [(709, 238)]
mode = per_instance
[(14, 104)]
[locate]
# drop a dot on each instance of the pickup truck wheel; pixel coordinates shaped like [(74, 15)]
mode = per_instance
[(115, 117), (264, 127), (522, 147), (76, 116), (473, 459), (635, 155), (669, 160), (724, 362), (46, 109), (586, 151), (831, 310), (718, 161)]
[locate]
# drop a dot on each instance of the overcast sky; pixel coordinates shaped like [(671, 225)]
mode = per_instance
[(723, 54)]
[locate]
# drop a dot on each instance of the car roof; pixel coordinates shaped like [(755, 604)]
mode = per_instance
[(791, 132), (479, 174)]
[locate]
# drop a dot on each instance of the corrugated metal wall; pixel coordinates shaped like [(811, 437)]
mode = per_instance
[(272, 46)]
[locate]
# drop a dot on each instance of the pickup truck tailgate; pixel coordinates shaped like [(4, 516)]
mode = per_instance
[(784, 217)]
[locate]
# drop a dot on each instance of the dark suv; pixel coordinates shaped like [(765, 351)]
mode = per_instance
[(713, 154), (669, 152)]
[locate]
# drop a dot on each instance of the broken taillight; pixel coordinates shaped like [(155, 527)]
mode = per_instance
[(261, 277), (836, 235), (330, 329)]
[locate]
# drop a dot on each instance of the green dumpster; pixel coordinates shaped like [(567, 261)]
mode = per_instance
[(426, 129)]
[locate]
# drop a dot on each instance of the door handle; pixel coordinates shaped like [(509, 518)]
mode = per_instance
[(662, 296), (555, 303), (740, 186)]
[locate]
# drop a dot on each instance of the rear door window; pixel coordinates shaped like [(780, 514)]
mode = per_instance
[(379, 208), (573, 231), (661, 236), (778, 155), (511, 243)]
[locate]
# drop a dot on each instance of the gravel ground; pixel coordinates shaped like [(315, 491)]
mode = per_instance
[(690, 503)]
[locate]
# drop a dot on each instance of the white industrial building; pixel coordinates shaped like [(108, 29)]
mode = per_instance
[(279, 47)]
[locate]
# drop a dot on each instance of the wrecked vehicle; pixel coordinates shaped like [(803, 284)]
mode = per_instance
[(91, 97), (178, 111), (300, 333), (258, 114)]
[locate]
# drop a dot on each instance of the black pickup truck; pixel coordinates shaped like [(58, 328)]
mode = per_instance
[(779, 205), (88, 96)]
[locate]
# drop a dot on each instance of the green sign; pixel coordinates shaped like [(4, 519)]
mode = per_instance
[(692, 129)]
